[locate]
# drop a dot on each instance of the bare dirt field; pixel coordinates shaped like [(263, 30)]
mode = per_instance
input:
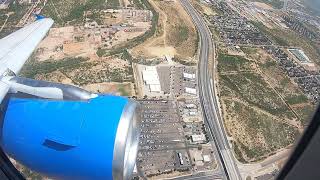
[(263, 5), (175, 35), (121, 89), (60, 43)]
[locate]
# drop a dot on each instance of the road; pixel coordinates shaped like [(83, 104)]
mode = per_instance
[(200, 176), (5, 22), (207, 95)]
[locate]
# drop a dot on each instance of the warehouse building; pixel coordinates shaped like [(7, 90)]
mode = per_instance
[(151, 79)]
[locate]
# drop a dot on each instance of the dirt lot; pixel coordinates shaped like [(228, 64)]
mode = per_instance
[(175, 35), (263, 5), (60, 43), (122, 89)]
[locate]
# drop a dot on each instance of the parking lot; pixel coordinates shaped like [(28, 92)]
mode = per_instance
[(161, 137), (167, 141)]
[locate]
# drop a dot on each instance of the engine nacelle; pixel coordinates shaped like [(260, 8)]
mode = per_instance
[(94, 139)]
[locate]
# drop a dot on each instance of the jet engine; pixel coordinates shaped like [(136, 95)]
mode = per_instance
[(69, 133)]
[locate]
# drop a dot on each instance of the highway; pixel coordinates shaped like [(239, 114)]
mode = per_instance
[(207, 95), (200, 176)]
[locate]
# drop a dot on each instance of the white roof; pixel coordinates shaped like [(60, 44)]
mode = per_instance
[(191, 106), (155, 88), (206, 158), (198, 137), (189, 76), (151, 68), (191, 91), (151, 78), (169, 59)]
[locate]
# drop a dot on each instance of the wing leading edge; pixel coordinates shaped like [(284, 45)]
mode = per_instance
[(16, 48)]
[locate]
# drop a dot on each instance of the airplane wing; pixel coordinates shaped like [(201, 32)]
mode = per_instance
[(16, 48)]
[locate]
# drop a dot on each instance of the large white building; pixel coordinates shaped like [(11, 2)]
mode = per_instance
[(151, 78)]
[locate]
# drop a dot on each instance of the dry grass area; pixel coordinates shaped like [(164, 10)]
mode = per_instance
[(203, 8), (258, 135), (263, 5), (55, 76), (106, 75), (175, 35), (264, 111), (285, 87), (290, 38), (63, 11), (121, 89)]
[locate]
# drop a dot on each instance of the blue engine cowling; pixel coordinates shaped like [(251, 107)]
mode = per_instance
[(94, 139)]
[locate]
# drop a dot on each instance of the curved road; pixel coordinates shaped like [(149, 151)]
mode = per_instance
[(207, 96)]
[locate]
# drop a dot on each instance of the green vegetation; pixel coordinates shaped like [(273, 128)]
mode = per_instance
[(238, 153), (249, 50), (113, 3), (72, 11), (16, 12), (19, 10), (232, 63), (123, 89), (79, 70), (3, 17), (182, 35), (291, 93), (33, 68), (255, 90), (100, 52), (263, 134), (305, 112), (290, 38), (298, 99), (270, 63), (139, 4), (184, 62), (273, 36)]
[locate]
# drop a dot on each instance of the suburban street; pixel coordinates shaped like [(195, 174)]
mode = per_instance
[(208, 97)]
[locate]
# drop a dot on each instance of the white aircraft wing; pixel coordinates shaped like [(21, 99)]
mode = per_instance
[(16, 48)]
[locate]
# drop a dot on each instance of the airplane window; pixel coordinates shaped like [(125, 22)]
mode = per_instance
[(156, 89)]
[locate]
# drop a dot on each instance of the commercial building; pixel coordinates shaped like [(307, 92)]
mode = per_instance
[(198, 138), (189, 76), (151, 78), (192, 91)]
